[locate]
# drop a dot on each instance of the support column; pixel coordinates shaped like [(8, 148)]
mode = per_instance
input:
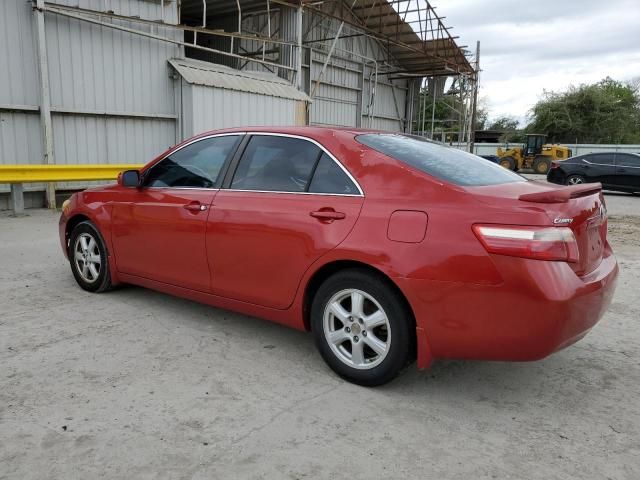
[(474, 108), (359, 96), (299, 52), (45, 99), (17, 199)]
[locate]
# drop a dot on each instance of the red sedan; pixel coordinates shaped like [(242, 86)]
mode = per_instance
[(387, 247)]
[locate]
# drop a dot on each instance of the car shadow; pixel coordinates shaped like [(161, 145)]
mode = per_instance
[(464, 379)]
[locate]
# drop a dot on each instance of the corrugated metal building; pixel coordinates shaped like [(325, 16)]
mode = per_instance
[(118, 81)]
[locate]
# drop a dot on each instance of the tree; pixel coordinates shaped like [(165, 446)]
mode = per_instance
[(605, 112), (509, 126), (504, 123), (482, 114)]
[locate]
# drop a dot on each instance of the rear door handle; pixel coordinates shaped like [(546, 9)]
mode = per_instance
[(327, 215), (195, 207)]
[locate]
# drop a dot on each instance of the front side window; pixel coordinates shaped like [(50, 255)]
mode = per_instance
[(600, 158), (446, 163), (197, 165), (274, 163)]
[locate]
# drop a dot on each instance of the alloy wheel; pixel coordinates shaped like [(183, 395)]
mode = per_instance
[(575, 180), (86, 256), (357, 329)]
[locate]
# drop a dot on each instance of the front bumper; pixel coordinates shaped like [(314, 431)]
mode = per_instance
[(62, 228), (541, 307)]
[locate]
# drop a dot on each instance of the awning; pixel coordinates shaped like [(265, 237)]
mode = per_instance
[(197, 72)]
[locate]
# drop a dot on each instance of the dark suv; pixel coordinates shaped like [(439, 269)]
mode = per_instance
[(616, 171)]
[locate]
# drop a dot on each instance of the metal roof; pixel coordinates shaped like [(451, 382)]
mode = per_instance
[(197, 72), (426, 48)]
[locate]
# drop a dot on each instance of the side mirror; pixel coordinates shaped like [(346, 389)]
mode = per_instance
[(129, 178)]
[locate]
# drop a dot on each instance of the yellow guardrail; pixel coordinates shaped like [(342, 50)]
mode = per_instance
[(16, 175), (61, 173)]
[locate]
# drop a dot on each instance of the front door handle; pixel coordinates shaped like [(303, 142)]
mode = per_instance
[(328, 214), (195, 207)]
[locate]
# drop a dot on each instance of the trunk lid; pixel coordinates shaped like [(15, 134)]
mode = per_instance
[(580, 208)]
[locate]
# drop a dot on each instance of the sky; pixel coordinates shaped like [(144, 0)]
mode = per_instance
[(529, 46)]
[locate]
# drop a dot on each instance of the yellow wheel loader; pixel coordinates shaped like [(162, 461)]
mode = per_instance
[(534, 154)]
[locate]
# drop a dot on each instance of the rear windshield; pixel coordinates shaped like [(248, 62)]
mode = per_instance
[(446, 163)]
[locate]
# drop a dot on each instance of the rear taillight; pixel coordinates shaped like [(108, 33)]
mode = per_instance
[(540, 243)]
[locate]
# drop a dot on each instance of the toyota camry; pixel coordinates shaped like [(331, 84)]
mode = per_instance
[(388, 248)]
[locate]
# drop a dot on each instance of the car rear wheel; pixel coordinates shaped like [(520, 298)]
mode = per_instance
[(575, 180), (88, 258), (362, 327)]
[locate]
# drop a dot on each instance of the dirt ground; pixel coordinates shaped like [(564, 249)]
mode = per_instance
[(137, 384)]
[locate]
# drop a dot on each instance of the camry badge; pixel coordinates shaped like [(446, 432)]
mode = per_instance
[(557, 221)]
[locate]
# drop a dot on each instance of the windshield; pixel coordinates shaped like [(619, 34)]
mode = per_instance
[(446, 163)]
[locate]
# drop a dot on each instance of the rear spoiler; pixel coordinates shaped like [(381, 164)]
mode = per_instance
[(562, 195)]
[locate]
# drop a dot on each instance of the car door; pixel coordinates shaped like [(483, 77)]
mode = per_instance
[(599, 167), (288, 202), (159, 229), (628, 171)]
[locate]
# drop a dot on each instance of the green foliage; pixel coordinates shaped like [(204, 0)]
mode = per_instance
[(509, 126), (446, 123), (482, 114), (504, 123), (605, 112)]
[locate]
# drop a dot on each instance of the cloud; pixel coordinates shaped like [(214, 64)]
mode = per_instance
[(528, 47)]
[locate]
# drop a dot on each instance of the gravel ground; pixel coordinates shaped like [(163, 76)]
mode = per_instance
[(137, 384)]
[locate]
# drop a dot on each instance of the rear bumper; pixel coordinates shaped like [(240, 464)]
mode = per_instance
[(541, 307), (556, 175)]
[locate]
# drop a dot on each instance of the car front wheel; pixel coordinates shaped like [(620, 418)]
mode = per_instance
[(88, 258), (362, 327)]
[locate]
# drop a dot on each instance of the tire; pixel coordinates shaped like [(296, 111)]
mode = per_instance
[(88, 258), (575, 180), (391, 329), (508, 162), (541, 165)]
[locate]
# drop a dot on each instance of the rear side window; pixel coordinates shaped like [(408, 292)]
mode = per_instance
[(445, 163), (197, 165), (627, 160), (330, 178), (273, 163)]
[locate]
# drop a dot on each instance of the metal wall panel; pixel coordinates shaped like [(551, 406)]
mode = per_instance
[(20, 138), (218, 108), (18, 61), (347, 76), (92, 69), (388, 110), (100, 140), (20, 142), (336, 97)]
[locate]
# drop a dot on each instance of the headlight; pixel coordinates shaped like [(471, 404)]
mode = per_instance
[(65, 205)]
